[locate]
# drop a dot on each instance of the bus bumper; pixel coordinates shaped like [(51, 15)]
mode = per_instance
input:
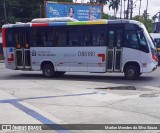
[(152, 66)]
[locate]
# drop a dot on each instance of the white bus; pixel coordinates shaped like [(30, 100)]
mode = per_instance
[(56, 46)]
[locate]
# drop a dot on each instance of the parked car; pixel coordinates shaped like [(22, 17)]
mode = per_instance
[(156, 39)]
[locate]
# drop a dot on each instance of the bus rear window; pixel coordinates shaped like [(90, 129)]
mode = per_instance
[(9, 38)]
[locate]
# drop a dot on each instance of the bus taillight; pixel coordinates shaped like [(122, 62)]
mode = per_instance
[(154, 57), (3, 37)]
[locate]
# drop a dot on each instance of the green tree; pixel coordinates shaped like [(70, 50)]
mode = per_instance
[(114, 4), (105, 16), (21, 10), (104, 2), (148, 23)]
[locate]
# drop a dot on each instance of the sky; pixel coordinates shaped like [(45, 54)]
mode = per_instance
[(153, 7)]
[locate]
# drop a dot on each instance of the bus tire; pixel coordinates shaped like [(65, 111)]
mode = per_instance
[(131, 72), (48, 70)]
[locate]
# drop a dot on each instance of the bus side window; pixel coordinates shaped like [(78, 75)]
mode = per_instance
[(131, 40), (37, 35), (18, 39), (43, 37), (98, 37), (92, 36), (61, 38), (9, 39), (34, 38), (58, 39), (39, 40), (111, 38), (119, 38), (73, 37), (101, 39), (87, 38), (49, 38)]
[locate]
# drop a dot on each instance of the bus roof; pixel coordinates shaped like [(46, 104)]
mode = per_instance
[(66, 21)]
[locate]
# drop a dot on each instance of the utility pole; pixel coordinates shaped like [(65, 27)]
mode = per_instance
[(121, 10), (147, 6), (124, 9), (146, 15), (131, 7), (127, 12), (40, 12), (159, 17), (45, 8), (140, 8), (5, 16)]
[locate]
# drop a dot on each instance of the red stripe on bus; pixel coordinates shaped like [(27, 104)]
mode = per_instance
[(12, 58), (102, 56), (39, 25), (3, 37)]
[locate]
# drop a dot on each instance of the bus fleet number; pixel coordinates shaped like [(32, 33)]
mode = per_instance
[(86, 53)]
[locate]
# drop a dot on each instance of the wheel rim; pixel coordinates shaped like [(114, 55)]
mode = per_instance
[(130, 73), (48, 71)]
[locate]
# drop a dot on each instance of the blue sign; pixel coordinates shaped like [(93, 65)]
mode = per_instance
[(10, 50), (81, 12)]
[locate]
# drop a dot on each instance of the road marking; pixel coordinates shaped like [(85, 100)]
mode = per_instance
[(34, 113), (9, 114), (97, 95), (43, 97), (101, 96), (39, 117)]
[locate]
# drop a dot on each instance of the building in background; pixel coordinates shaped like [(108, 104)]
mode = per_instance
[(156, 22), (81, 12), (156, 27)]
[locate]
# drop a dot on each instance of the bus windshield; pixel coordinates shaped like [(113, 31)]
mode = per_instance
[(148, 38)]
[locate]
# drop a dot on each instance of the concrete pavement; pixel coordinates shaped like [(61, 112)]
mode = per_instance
[(69, 101)]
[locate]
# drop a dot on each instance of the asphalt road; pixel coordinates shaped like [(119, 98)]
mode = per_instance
[(78, 98), (146, 79)]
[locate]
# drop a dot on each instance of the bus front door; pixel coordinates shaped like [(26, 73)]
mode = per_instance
[(114, 49), (23, 60)]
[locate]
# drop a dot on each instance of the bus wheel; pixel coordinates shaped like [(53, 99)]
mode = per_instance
[(48, 70), (131, 72)]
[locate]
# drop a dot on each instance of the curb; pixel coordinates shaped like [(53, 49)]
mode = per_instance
[(119, 88)]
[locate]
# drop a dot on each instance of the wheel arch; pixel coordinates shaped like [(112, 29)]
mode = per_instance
[(134, 63), (47, 62)]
